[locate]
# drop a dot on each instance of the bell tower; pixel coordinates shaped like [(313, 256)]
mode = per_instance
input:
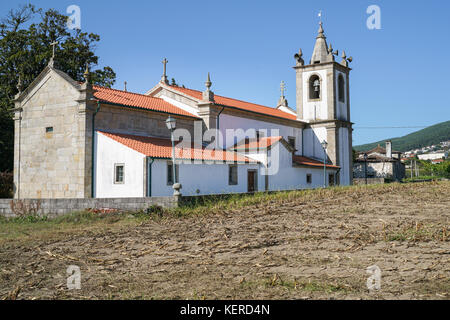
[(323, 102)]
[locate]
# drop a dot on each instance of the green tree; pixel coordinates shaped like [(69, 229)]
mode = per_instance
[(25, 37)]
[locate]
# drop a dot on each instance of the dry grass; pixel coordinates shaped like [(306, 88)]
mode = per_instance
[(313, 244)]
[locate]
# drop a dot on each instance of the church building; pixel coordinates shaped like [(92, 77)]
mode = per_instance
[(78, 140)]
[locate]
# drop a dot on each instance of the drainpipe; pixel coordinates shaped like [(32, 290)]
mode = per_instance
[(218, 123), (149, 176), (93, 150)]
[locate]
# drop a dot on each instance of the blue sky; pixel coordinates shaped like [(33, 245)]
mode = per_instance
[(400, 74)]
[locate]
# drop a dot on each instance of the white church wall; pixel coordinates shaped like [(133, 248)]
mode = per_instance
[(344, 157), (108, 153), (232, 122), (294, 178), (312, 142), (315, 110), (206, 178), (341, 107)]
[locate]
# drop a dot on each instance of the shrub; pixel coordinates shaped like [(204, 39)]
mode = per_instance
[(6, 185)]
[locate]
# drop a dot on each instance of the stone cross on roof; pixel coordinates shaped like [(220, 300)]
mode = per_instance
[(52, 59), (164, 76), (282, 88)]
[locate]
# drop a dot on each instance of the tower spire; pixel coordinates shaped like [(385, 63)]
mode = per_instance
[(320, 53)]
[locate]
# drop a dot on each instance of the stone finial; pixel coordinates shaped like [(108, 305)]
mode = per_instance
[(208, 82), (299, 57), (19, 84), (345, 60), (87, 74), (321, 31), (208, 95)]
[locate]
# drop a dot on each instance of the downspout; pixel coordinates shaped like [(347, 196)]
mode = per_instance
[(337, 175), (149, 176), (218, 123), (266, 178), (93, 150), (303, 140)]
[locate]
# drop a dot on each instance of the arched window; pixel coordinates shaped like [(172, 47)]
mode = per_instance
[(341, 88), (314, 87)]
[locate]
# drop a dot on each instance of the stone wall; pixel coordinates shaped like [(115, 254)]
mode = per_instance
[(50, 141), (359, 181), (57, 207), (139, 122), (394, 170)]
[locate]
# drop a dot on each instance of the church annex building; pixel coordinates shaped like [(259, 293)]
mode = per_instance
[(77, 140)]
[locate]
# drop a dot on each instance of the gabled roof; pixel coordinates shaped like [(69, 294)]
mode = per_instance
[(378, 149), (162, 148), (238, 104), (48, 69), (137, 100), (305, 161)]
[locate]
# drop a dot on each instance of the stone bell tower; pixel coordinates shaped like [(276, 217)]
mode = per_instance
[(323, 101)]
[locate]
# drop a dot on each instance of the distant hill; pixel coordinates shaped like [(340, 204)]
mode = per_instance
[(428, 136)]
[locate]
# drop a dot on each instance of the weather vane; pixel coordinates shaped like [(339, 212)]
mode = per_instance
[(320, 16)]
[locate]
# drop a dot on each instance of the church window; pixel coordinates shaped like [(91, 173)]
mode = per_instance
[(341, 88), (170, 173), (119, 173), (232, 174), (314, 88)]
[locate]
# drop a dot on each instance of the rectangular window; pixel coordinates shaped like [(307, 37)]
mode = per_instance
[(119, 173), (49, 129), (233, 175), (309, 178), (170, 173)]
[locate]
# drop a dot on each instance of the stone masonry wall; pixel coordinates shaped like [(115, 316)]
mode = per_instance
[(57, 207), (52, 164), (139, 122)]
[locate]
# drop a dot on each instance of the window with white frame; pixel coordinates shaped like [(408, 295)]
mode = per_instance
[(119, 173)]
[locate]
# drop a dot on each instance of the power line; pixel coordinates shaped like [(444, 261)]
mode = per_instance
[(413, 127)]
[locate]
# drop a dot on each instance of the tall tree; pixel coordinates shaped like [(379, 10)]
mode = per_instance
[(25, 37)]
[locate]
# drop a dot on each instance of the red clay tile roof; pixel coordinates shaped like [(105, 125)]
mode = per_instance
[(138, 100), (304, 161), (233, 103), (253, 144), (162, 148)]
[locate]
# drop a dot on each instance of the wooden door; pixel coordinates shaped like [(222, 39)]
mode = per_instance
[(251, 181)]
